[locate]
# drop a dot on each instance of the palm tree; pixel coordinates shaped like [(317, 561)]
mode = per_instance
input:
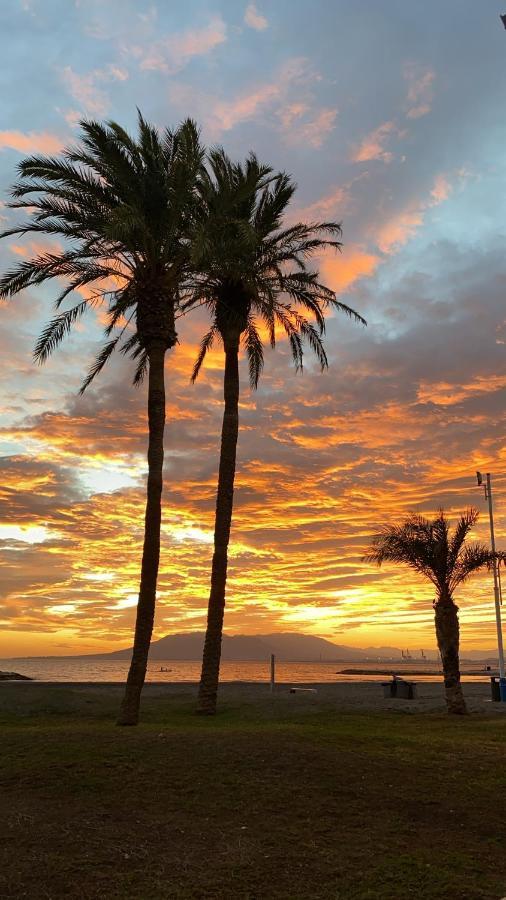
[(447, 561), (125, 207), (251, 272)]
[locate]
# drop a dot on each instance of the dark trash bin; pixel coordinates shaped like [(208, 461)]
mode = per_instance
[(495, 686), (402, 690)]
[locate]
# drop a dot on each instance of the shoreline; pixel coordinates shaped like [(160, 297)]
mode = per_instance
[(363, 696), (434, 673)]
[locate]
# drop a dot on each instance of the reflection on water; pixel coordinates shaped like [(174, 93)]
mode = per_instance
[(82, 669)]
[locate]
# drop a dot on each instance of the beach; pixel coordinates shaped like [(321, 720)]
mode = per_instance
[(347, 697)]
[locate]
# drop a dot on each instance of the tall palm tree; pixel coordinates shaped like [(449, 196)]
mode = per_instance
[(125, 207), (251, 272), (447, 561)]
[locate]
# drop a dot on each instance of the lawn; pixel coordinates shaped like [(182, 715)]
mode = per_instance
[(269, 800)]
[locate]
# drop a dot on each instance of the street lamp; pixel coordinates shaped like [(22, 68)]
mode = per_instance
[(487, 485)]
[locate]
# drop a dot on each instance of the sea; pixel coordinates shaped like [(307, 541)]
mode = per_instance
[(82, 669)]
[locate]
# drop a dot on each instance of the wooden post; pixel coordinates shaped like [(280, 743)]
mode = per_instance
[(273, 672)]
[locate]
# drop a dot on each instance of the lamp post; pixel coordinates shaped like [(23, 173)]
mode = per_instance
[(497, 584)]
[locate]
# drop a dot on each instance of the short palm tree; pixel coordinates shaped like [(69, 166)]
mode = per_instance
[(125, 208), (447, 561), (251, 273)]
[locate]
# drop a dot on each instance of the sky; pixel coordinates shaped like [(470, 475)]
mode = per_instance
[(389, 116)]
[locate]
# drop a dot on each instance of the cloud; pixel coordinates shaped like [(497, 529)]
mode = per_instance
[(373, 145), (342, 270), (86, 89), (444, 393), (312, 131), (420, 90), (292, 112), (30, 142), (441, 190), (255, 19), (302, 121), (399, 229), (222, 115), (403, 225), (172, 53), (331, 205)]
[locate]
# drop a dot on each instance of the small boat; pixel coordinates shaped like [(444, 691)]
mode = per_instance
[(165, 669)]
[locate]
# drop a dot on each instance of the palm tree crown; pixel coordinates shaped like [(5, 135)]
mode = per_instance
[(429, 548), (252, 271), (124, 206)]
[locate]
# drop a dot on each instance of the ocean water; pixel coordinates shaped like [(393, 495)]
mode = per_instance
[(82, 669)]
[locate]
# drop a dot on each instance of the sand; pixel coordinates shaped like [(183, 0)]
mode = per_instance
[(365, 696)]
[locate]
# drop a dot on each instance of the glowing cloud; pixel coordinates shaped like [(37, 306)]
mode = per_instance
[(172, 53), (342, 271), (420, 90), (254, 19), (373, 146), (30, 142), (85, 88)]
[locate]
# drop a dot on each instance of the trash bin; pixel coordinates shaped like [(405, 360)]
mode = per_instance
[(389, 688), (403, 690), (406, 690), (495, 685)]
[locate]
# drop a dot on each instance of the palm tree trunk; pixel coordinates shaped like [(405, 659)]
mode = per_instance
[(129, 712), (208, 688), (447, 633)]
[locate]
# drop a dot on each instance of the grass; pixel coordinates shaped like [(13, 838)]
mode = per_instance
[(267, 800)]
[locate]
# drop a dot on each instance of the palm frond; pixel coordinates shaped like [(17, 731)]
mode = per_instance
[(464, 525), (472, 558), (205, 346), (255, 353), (101, 359), (56, 330)]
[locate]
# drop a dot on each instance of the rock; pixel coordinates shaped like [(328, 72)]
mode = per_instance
[(13, 676)]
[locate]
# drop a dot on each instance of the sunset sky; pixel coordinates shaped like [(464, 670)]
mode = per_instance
[(390, 116)]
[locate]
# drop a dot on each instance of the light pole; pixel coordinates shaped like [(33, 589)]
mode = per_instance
[(497, 584)]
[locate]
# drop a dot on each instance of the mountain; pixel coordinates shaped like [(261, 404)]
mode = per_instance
[(307, 648), (289, 646)]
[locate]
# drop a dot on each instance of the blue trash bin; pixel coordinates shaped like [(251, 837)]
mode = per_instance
[(502, 689), (495, 688)]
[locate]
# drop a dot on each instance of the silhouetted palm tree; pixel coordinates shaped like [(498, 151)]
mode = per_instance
[(125, 205), (252, 273), (447, 561)]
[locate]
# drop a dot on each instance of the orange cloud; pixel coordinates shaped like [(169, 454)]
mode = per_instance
[(373, 146), (172, 53), (341, 271), (443, 393), (420, 91), (315, 131), (441, 190), (255, 19), (222, 115), (87, 88), (30, 142), (402, 226), (399, 229)]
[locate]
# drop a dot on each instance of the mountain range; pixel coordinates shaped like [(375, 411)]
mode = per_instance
[(288, 646)]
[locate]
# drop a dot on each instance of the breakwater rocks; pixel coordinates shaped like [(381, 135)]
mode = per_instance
[(14, 676)]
